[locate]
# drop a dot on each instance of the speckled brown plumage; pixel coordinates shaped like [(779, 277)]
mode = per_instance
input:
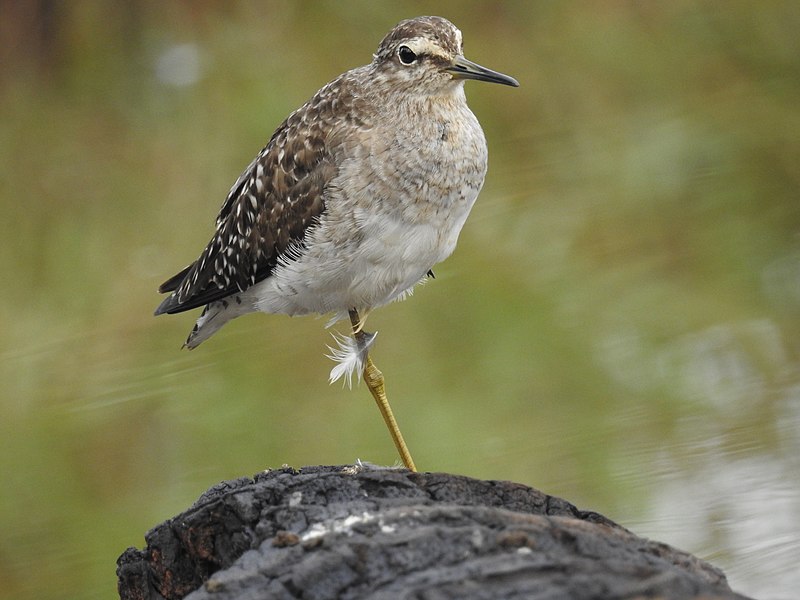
[(357, 194), (268, 208)]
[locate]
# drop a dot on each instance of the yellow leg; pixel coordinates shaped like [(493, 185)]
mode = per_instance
[(374, 380), (358, 323)]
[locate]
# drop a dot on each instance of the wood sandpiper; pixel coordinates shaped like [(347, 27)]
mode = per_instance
[(357, 195)]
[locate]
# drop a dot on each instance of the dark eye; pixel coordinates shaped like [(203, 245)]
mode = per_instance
[(406, 55)]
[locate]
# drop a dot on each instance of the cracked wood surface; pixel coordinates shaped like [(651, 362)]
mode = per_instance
[(363, 531)]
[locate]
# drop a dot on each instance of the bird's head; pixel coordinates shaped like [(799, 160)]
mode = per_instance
[(425, 55)]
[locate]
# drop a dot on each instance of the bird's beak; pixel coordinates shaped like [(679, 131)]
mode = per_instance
[(466, 69)]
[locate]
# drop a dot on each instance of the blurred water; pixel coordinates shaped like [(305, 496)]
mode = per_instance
[(740, 514)]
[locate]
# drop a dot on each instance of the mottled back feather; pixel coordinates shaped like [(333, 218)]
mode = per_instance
[(266, 213)]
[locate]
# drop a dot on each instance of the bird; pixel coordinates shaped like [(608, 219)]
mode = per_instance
[(358, 194)]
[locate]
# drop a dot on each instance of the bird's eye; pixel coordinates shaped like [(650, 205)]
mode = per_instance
[(406, 55)]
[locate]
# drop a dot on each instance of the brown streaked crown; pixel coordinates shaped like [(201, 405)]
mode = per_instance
[(439, 30)]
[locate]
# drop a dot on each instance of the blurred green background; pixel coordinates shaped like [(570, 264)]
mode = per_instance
[(620, 324)]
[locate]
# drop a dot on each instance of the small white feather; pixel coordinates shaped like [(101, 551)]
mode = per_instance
[(349, 357)]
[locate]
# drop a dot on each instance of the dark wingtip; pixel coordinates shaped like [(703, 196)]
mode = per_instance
[(172, 284), (165, 306)]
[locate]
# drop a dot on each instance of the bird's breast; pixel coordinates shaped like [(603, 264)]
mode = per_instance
[(394, 210), (428, 162), (412, 182)]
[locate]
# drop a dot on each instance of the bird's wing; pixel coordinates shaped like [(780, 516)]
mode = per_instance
[(269, 208)]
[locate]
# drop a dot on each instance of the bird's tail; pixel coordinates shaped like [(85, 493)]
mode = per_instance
[(213, 317)]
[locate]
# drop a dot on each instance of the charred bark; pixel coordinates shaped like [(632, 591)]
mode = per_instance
[(356, 532)]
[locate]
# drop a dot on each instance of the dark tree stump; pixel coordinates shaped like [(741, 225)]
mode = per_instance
[(357, 532)]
